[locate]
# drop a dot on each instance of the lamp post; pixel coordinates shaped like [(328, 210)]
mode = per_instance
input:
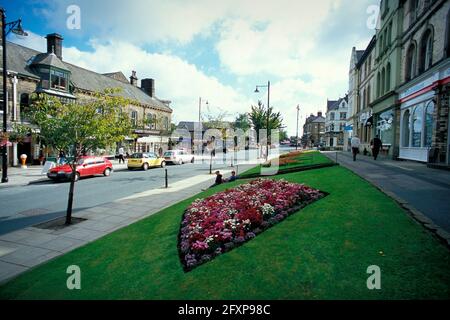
[(296, 139), (268, 113), (15, 27)]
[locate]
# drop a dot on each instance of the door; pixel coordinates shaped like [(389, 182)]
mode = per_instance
[(153, 159), (87, 169)]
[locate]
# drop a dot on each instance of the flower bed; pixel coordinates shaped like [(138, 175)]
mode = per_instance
[(219, 223)]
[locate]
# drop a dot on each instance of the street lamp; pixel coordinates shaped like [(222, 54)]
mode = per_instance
[(296, 141), (268, 113), (16, 28)]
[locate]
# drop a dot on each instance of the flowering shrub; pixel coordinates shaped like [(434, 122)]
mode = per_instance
[(227, 219)]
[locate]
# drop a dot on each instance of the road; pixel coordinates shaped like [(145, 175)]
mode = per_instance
[(32, 204)]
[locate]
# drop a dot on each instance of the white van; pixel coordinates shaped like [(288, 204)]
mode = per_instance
[(178, 157)]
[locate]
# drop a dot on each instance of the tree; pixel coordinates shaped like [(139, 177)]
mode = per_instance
[(80, 127), (242, 122), (258, 118)]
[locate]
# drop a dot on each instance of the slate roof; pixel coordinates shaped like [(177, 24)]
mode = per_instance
[(20, 60), (334, 105), (49, 60)]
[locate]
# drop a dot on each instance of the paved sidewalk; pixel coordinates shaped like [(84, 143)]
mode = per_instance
[(422, 190), (29, 247)]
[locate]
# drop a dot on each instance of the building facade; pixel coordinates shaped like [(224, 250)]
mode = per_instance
[(30, 71), (425, 73), (407, 103), (335, 123), (314, 131), (362, 113)]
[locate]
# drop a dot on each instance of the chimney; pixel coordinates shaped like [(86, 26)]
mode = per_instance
[(54, 44), (148, 85), (319, 114), (133, 78)]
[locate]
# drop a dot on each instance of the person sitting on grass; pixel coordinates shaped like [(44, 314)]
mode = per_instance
[(233, 177)]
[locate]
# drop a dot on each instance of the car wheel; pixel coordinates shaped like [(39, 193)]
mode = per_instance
[(193, 160), (145, 166), (107, 172), (163, 164), (77, 176), (180, 162)]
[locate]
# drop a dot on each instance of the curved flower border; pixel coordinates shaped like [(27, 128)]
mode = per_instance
[(228, 219)]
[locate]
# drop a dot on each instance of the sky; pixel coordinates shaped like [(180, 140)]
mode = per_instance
[(216, 50)]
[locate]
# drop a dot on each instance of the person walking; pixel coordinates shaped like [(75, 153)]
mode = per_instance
[(355, 142), (121, 153), (376, 145)]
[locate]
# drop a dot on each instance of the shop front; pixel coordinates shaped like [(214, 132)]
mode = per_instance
[(422, 111)]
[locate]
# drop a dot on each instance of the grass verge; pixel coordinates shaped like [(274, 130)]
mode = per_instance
[(322, 252)]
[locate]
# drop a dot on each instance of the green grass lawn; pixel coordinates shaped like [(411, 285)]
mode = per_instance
[(322, 252), (305, 159)]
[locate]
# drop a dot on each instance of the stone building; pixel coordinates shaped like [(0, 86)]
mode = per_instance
[(425, 75), (408, 105), (314, 131), (335, 123), (30, 71), (362, 112)]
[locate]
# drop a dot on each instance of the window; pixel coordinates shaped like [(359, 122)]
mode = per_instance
[(24, 100), (429, 124), (332, 116), (406, 126), (166, 123), (413, 10), (383, 80), (417, 127), (426, 51), (343, 116), (447, 41), (150, 122), (378, 85), (410, 70), (388, 77), (134, 118), (368, 96), (58, 80)]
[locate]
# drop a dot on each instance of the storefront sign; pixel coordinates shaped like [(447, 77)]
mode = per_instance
[(425, 85)]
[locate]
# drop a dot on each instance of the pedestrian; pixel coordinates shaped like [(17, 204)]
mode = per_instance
[(121, 153), (62, 157), (376, 145), (355, 142)]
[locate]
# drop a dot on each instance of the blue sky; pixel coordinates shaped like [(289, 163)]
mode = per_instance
[(217, 50)]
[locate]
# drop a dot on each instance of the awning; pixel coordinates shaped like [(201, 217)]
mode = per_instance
[(153, 139), (369, 122)]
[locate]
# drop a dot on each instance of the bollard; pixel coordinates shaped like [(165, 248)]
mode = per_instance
[(167, 180)]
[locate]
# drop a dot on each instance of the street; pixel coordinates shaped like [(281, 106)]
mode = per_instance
[(26, 206)]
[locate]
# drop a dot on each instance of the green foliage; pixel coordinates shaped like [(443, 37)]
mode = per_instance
[(258, 118), (242, 122), (81, 127)]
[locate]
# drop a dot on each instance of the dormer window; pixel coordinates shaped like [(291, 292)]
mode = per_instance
[(58, 80)]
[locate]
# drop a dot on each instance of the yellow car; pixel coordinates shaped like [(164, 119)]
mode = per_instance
[(145, 160)]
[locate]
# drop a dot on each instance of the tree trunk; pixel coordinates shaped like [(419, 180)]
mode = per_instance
[(70, 201)]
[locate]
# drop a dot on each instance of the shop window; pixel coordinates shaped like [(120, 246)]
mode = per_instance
[(429, 124), (426, 51), (417, 123), (406, 125), (385, 126), (410, 63)]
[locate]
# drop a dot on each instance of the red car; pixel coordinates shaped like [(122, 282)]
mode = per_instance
[(87, 166)]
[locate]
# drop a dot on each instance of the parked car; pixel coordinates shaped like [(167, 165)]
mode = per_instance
[(86, 166), (178, 157), (145, 160)]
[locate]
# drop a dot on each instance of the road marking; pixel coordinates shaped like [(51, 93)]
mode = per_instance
[(175, 187)]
